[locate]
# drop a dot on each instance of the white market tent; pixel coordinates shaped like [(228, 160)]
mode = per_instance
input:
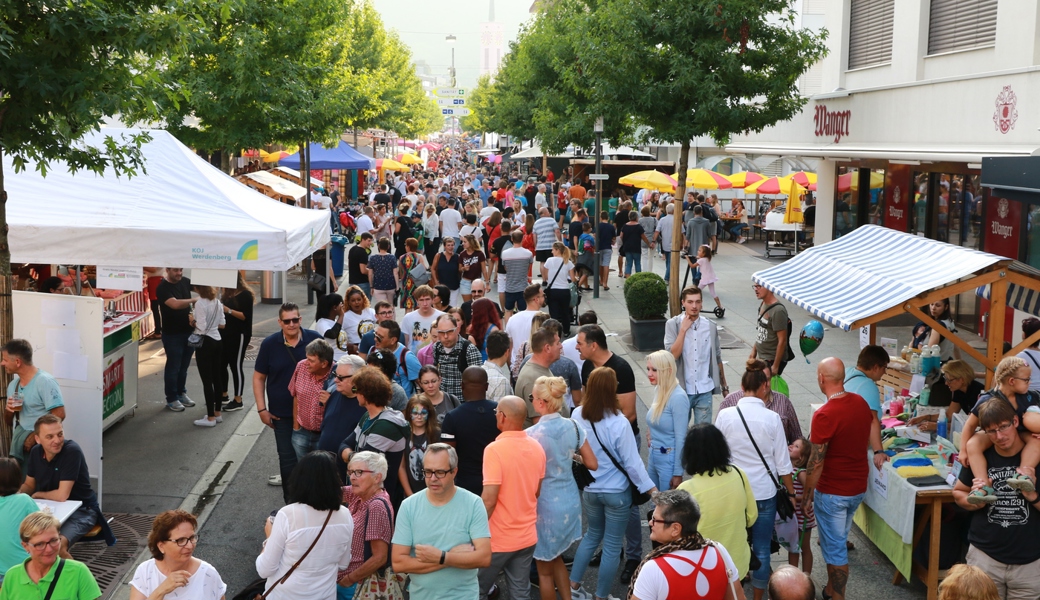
[(182, 212)]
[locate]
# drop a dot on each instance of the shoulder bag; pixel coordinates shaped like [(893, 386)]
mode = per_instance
[(54, 582), (582, 476), (638, 498), (384, 584), (419, 273), (784, 506), (297, 564)]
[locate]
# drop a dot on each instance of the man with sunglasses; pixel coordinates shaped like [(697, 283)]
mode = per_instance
[(275, 364), (478, 291), (1003, 534), (441, 536)]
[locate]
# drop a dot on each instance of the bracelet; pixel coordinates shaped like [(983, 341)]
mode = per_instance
[(260, 410), (443, 556)]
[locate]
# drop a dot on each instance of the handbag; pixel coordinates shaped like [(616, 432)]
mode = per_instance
[(638, 498), (292, 568), (316, 282), (420, 274), (384, 584), (195, 340), (784, 506), (582, 476)]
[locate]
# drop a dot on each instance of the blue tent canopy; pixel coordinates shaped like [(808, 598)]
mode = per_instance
[(340, 157)]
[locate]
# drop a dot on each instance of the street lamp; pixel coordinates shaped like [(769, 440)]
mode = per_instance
[(451, 39), (597, 128)]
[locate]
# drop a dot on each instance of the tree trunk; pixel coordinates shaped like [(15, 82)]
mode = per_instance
[(6, 309), (677, 229), (225, 161)]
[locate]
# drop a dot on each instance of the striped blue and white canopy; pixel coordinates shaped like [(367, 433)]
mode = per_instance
[(869, 271)]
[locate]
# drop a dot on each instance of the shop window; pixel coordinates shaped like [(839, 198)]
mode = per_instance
[(870, 32), (961, 25), (845, 203), (919, 199), (1033, 236)]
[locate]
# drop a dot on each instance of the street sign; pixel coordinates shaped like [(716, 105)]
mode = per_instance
[(450, 92), (451, 101), (455, 112), (599, 177)]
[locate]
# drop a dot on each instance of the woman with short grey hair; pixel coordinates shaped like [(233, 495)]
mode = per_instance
[(369, 506)]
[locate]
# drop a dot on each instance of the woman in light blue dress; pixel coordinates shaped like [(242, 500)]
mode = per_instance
[(559, 507), (668, 420)]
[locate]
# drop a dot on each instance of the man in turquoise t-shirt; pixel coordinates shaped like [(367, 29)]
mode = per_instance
[(442, 536), (38, 390), (862, 379)]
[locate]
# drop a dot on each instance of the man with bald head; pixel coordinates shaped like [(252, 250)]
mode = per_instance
[(514, 466), (790, 583), (838, 469), (470, 428)]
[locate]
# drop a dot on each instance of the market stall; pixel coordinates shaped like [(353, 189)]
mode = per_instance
[(272, 186), (875, 273), (177, 211)]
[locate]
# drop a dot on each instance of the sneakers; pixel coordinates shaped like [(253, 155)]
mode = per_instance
[(274, 480), (175, 406), (220, 419), (580, 594), (185, 400), (231, 406), (204, 422)]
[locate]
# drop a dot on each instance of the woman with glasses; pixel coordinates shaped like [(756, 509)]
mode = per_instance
[(430, 384), (314, 515), (342, 411), (960, 378), (39, 535), (369, 507), (607, 501), (557, 525), (424, 431), (173, 572)]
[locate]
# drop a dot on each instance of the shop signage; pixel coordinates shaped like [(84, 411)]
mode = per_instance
[(897, 189), (831, 123), (1003, 217), (1006, 114), (113, 388)]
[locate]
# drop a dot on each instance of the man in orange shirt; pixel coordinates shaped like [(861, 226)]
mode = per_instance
[(577, 191), (514, 466)]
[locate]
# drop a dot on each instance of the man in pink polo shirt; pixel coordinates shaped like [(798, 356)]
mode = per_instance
[(309, 388), (514, 466)]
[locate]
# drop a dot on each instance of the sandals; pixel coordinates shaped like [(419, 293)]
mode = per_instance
[(983, 495), (1021, 483)]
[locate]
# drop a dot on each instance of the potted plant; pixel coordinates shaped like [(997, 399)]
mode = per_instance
[(646, 297)]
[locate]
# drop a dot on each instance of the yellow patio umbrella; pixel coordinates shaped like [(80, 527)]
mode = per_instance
[(408, 159), (774, 185), (389, 164), (703, 179), (803, 178), (793, 213), (650, 180), (744, 178), (276, 156)]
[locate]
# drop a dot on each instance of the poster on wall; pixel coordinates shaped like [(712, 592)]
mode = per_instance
[(120, 278), (1002, 227), (896, 213)]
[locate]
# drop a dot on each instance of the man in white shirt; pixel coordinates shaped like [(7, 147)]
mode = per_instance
[(694, 342), (519, 325), (365, 224), (663, 237), (570, 345), (499, 349), (770, 461), (416, 325), (451, 221)]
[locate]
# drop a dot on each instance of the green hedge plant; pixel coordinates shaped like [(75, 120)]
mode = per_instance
[(646, 296)]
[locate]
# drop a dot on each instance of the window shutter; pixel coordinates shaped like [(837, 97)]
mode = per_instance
[(961, 24), (870, 32)]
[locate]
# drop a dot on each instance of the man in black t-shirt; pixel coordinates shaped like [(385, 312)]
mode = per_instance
[(57, 470), (382, 197), (402, 229), (1006, 522), (357, 264), (175, 304), (470, 428)]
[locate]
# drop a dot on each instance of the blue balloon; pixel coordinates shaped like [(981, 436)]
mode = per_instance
[(810, 338)]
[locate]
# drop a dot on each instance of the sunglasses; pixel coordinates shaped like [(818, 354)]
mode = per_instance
[(342, 377), (293, 321)]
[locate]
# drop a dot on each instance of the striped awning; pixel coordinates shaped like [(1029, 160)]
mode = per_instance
[(869, 271), (1018, 297)]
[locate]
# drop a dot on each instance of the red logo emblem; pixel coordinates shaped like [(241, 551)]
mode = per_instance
[(1006, 114)]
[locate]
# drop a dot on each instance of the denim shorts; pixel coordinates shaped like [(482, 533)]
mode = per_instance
[(834, 521), (604, 257), (465, 286)]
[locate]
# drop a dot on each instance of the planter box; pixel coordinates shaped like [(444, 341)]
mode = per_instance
[(647, 334)]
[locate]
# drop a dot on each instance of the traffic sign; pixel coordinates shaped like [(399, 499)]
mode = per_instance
[(456, 112), (450, 92), (451, 101), (599, 177)]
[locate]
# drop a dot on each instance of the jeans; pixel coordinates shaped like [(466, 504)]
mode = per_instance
[(761, 537), (178, 359), (365, 287), (833, 521), (660, 467), (283, 430), (607, 516), (304, 442), (738, 230), (515, 565), (633, 257), (667, 264), (700, 407), (210, 362), (634, 529)]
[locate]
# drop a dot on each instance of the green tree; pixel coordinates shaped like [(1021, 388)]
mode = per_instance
[(479, 104), (64, 68), (686, 68)]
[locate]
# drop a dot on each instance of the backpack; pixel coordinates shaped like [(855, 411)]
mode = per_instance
[(463, 361), (709, 212), (788, 352)]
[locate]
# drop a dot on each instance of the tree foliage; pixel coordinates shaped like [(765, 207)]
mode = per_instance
[(479, 104)]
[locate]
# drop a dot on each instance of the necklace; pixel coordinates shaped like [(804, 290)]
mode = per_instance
[(835, 395)]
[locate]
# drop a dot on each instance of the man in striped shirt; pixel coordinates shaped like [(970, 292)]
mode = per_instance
[(517, 263), (546, 231)]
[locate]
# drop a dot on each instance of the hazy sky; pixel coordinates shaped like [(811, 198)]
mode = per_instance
[(423, 25)]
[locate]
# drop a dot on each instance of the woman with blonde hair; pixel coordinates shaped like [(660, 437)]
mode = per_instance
[(209, 319), (560, 438), (668, 420), (967, 582), (558, 273)]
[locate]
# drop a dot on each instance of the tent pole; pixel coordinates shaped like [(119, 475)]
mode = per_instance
[(995, 325)]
